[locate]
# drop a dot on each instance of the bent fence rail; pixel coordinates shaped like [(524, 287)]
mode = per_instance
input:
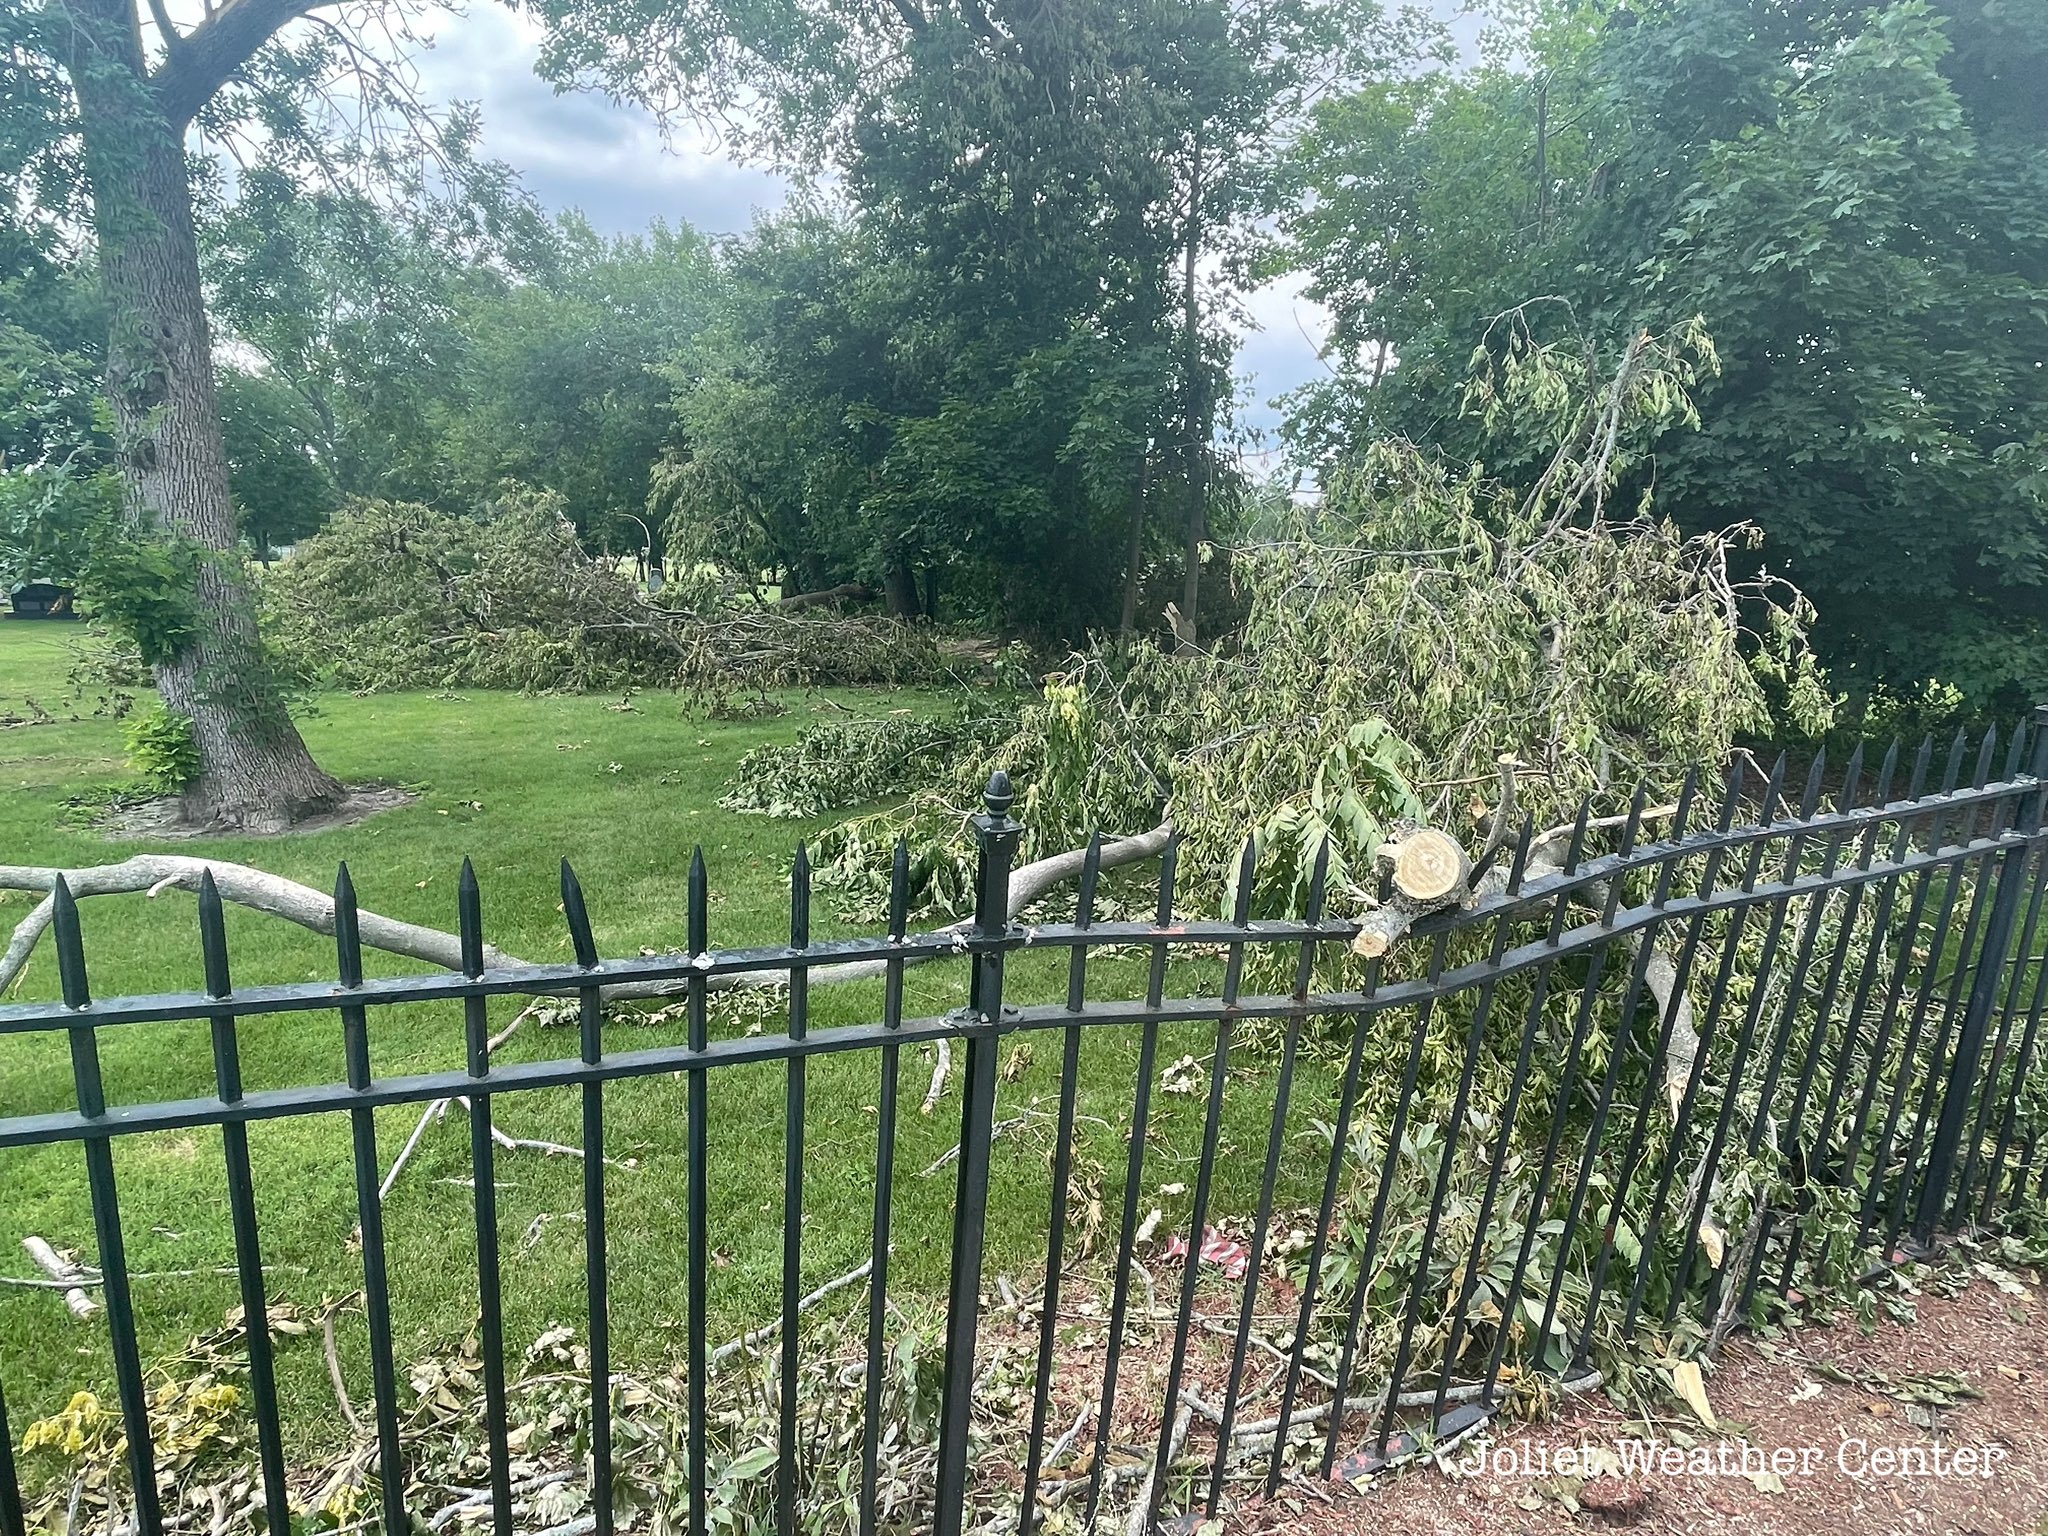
[(1835, 999)]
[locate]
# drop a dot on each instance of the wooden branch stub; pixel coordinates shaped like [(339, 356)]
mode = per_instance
[(1428, 865)]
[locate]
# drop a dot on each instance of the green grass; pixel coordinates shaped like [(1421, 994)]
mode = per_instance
[(516, 783)]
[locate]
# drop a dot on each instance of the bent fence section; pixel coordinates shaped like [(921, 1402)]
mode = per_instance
[(1656, 1089)]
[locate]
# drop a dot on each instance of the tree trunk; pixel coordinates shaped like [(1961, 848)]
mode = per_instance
[(1197, 424), (899, 589), (255, 771), (1134, 555)]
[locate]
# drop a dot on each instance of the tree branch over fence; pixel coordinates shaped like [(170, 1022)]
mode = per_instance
[(154, 874)]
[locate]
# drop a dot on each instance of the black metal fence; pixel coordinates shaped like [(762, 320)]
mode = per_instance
[(1834, 993)]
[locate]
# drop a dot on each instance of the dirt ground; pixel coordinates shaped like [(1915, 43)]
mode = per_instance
[(1938, 1426)]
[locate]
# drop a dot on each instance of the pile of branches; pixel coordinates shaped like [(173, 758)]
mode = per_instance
[(836, 765), (396, 595)]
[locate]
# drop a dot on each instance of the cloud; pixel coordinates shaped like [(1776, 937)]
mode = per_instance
[(579, 149)]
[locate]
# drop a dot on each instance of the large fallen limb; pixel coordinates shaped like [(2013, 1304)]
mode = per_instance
[(301, 904), (156, 873)]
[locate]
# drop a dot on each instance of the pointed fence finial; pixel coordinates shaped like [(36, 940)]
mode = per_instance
[(999, 797)]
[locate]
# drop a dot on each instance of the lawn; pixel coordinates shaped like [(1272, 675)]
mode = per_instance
[(625, 788)]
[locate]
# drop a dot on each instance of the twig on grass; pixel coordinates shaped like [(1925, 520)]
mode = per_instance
[(348, 1410)]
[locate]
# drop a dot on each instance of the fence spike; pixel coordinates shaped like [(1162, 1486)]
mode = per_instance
[(470, 919), (1091, 877), (1632, 828), (899, 890), (800, 899), (1985, 754), (1731, 798), (577, 915), (1577, 847), (1247, 874), (70, 946), (1809, 799), (348, 942), (213, 937), (1951, 772), (1852, 778), (2016, 753), (1887, 770), (1923, 760), (700, 904), (1774, 790), (1688, 792), (1518, 865)]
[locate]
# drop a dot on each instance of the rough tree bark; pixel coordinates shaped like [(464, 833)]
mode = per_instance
[(1127, 623), (255, 772)]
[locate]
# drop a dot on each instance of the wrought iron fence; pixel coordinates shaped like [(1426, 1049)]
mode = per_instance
[(1835, 995)]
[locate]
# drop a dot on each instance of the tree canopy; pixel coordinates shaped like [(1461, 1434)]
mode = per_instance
[(1849, 196)]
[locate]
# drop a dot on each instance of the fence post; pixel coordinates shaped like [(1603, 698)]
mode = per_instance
[(1991, 962), (996, 837)]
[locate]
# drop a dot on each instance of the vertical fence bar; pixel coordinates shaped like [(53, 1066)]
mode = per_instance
[(2008, 1011), (227, 1077), (483, 1162), (2022, 1064), (1062, 1171), (1340, 1137), (590, 1037), (1957, 873), (106, 1213), (885, 1183), (12, 1522), (698, 1199), (1375, 1226), (1648, 954), (355, 1039), (1304, 971), (1805, 1151), (1134, 1172), (1971, 959), (2012, 867), (1717, 996), (1205, 1173), (793, 1114), (996, 837)]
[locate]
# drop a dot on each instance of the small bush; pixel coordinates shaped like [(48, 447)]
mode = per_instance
[(162, 749)]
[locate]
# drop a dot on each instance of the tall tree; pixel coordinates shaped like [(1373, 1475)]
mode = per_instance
[(126, 115), (1850, 195)]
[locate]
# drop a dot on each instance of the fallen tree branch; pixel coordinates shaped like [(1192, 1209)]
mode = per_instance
[(348, 1410), (749, 1341), (301, 904), (155, 873), (940, 1067), (63, 1273)]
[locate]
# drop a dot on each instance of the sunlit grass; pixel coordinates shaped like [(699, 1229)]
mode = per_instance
[(625, 789)]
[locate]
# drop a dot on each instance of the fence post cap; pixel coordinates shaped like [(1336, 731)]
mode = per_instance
[(999, 796)]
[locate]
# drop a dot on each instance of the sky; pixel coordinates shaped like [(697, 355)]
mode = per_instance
[(581, 150)]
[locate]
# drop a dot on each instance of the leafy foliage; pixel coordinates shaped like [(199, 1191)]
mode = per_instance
[(838, 764), (161, 749), (1850, 198), (398, 596), (1399, 636)]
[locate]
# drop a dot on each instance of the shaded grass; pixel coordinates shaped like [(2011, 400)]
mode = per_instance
[(626, 789)]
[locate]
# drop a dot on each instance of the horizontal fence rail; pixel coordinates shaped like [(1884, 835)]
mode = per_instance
[(1656, 1090)]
